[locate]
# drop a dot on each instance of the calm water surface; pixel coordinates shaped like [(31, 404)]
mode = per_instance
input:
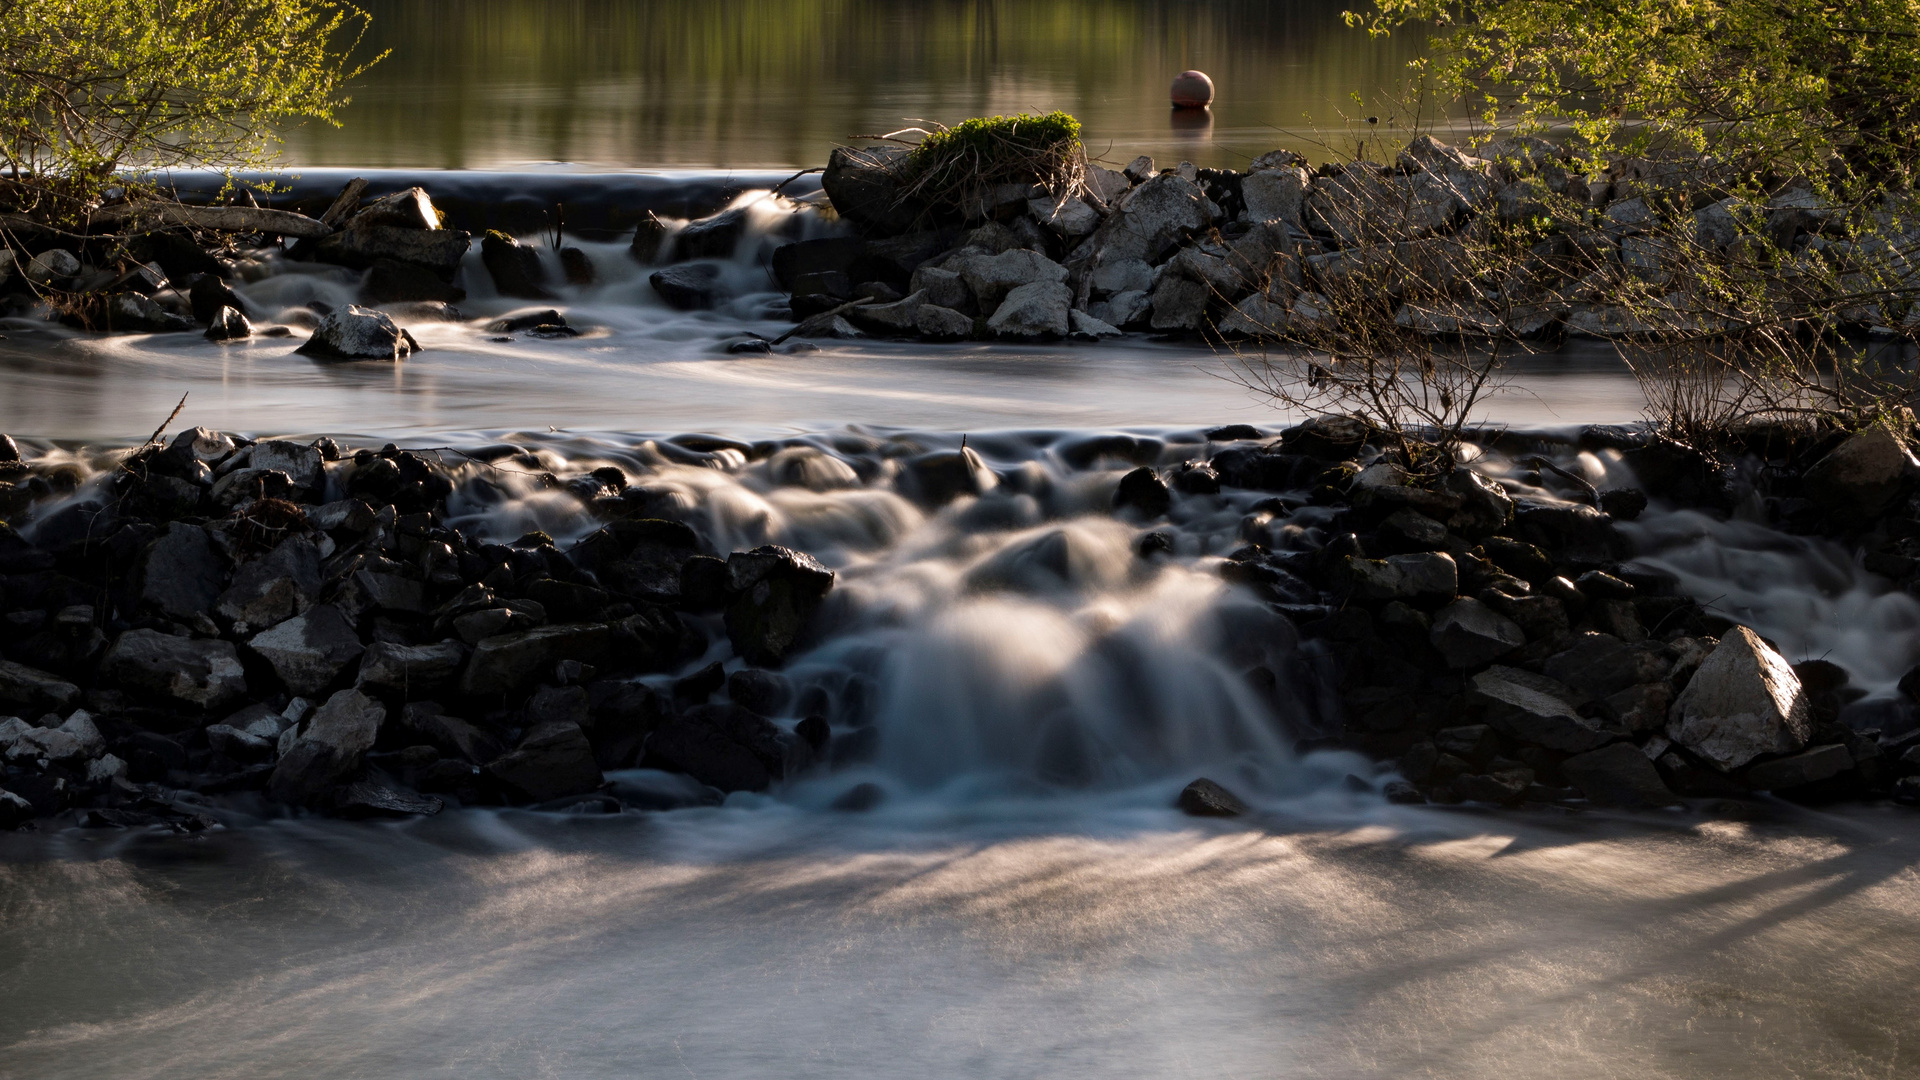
[(764, 83)]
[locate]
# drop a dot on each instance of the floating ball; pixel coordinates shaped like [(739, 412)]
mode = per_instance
[(1192, 90)]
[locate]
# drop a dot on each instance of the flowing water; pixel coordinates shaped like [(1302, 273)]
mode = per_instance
[(1026, 693)]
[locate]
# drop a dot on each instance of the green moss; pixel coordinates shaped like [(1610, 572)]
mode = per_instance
[(994, 140)]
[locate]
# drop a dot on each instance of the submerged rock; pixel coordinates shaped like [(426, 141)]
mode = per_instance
[(693, 287)]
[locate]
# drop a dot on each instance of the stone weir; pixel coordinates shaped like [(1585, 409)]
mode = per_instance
[(219, 623)]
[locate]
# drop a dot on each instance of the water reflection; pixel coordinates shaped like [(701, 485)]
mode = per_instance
[(779, 82)]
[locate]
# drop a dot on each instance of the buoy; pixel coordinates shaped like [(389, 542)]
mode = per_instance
[(1192, 90)]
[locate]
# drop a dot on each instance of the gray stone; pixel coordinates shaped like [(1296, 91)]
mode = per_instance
[(1153, 219), (1035, 310), (508, 662), (329, 750), (1276, 194), (1468, 633), (82, 728), (33, 689), (1863, 474), (300, 461), (1107, 185), (1642, 708), (938, 323), (992, 277), (357, 333), (1535, 709), (132, 311), (411, 670), (349, 722), (1484, 505), (861, 184), (1256, 316), (1810, 765), (52, 267), (1205, 798), (895, 318), (1617, 775), (450, 733), (201, 673), (1084, 327), (1123, 309), (945, 288), (274, 588), (362, 799), (1123, 275), (310, 650), (1744, 701), (245, 485), (184, 573), (553, 760), (1069, 218), (105, 769), (1600, 665), (1179, 303), (52, 744)]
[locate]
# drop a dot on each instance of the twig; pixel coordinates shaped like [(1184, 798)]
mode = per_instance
[(171, 417), (775, 190)]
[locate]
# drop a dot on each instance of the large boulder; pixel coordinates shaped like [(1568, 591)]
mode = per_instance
[(1180, 303), (712, 237), (361, 245), (1153, 220), (775, 592), (409, 209), (274, 588), (1862, 475), (862, 186), (195, 672), (992, 277), (515, 267), (357, 333), (310, 650), (640, 558), (553, 760), (1034, 311), (1742, 702), (329, 749), (1276, 195)]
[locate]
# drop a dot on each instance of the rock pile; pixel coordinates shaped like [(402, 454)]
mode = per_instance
[(297, 623)]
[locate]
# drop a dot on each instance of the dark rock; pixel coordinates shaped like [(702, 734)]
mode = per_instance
[(14, 810), (411, 671), (229, 325), (692, 287), (696, 688), (1598, 665), (1623, 504), (775, 591), (713, 237), (1407, 531), (309, 651), (208, 295), (815, 731), (1402, 577), (863, 188), (1598, 585), (553, 760), (365, 800), (832, 255), (329, 748), (35, 691), (1617, 775), (578, 266), (1522, 560), (361, 245), (1861, 476), (642, 559), (199, 673), (450, 733), (409, 209), (270, 590), (509, 662), (184, 573), (1809, 766), (1468, 633), (1196, 478), (514, 267), (943, 475), (724, 746), (1327, 438), (237, 744), (1143, 490), (763, 692), (1204, 798), (1535, 709), (1484, 505), (390, 281)]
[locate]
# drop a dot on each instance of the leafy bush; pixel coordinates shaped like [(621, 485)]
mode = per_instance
[(96, 93), (1806, 87)]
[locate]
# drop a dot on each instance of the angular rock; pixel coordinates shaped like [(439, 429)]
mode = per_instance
[(711, 754), (133, 311), (713, 237), (691, 287), (992, 277), (411, 670), (1084, 327), (203, 674), (1256, 316), (775, 592), (1144, 491), (1744, 701), (1276, 194), (1123, 309), (228, 325), (237, 744), (862, 186), (1403, 577), (309, 651), (52, 267), (1600, 665), (515, 268), (329, 750), (34, 690), (1861, 476), (300, 461), (1153, 219), (1179, 303), (1033, 311), (1468, 633), (450, 733), (270, 590), (898, 317), (1069, 218), (357, 333), (1205, 798), (1484, 504), (14, 810), (184, 573), (1617, 775), (349, 723), (409, 209), (937, 323), (1535, 709), (509, 662), (361, 245), (1811, 765), (364, 800), (552, 760), (943, 287)]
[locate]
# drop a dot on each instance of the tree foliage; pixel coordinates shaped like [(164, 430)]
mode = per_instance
[(98, 92), (1830, 91)]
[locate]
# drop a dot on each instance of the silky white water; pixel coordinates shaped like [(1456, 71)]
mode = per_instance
[(1028, 694)]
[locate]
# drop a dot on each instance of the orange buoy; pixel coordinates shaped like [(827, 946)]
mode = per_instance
[(1192, 90)]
